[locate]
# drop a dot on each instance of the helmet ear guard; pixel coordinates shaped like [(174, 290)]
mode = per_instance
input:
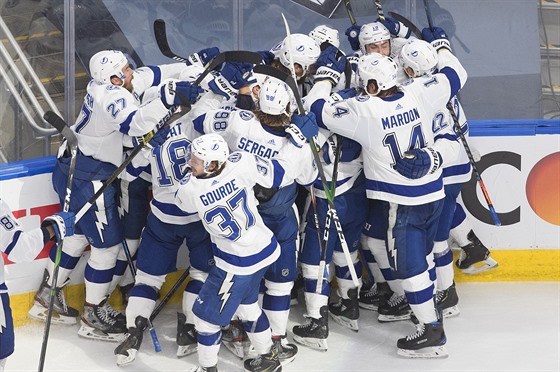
[(106, 64), (382, 69)]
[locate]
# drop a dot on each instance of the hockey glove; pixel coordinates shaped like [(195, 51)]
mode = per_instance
[(437, 37), (267, 56), (297, 138), (203, 56), (159, 137), (328, 67), (307, 125), (417, 163), (395, 27), (343, 94), (233, 76), (62, 223), (175, 93), (353, 32)]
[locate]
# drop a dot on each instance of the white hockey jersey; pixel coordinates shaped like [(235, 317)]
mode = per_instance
[(18, 245), (388, 127), (242, 244)]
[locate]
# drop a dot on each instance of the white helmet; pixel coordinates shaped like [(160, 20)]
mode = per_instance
[(275, 97), (324, 33), (105, 64), (380, 68), (372, 33), (420, 56), (209, 148), (305, 51)]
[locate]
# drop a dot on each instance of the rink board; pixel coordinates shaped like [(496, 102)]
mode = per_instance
[(520, 166)]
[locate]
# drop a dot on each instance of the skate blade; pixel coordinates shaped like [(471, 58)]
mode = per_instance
[(345, 322), (123, 360), (319, 344), (450, 312), (184, 350), (38, 312), (96, 334), (237, 347), (393, 318), (427, 352), (481, 266), (368, 306)]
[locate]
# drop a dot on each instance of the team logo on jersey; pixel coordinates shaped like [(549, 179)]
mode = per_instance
[(285, 272), (272, 142), (362, 98), (185, 179), (246, 115), (235, 157)]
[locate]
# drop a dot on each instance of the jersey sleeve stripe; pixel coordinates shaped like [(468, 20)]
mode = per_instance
[(317, 109), (454, 81), (124, 127), (279, 173), (170, 209), (11, 246), (157, 75), (447, 136), (199, 124)]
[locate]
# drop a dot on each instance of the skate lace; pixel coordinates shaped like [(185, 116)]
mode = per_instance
[(309, 323), (440, 295), (61, 299), (110, 310), (420, 328), (104, 315), (372, 291), (395, 300)]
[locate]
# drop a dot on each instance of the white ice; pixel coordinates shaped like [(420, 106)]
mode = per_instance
[(502, 327)]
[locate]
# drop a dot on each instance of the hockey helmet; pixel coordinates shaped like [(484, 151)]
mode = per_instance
[(275, 97), (305, 51), (323, 33), (372, 33), (382, 69), (420, 56), (105, 64), (209, 148)]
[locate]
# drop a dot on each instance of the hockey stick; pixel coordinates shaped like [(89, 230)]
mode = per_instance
[(160, 33), (71, 141), (471, 159), (405, 21), (293, 86), (171, 292), (380, 13), (155, 341), (348, 7), (428, 15)]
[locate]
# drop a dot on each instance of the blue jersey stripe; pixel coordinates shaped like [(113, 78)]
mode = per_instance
[(157, 75), (124, 127), (199, 124), (317, 108), (279, 173), (11, 246), (456, 170), (319, 184), (403, 190), (246, 261), (447, 136), (454, 80), (170, 209)]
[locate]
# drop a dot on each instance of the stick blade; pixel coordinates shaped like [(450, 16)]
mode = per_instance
[(60, 125), (160, 32)]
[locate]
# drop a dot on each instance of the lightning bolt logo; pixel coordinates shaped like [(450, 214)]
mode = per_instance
[(390, 238), (101, 218), (224, 291)]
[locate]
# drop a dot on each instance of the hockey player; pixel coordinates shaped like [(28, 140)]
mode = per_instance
[(403, 174), (349, 190), (220, 190), (21, 246), (263, 133), (166, 230), (110, 113)]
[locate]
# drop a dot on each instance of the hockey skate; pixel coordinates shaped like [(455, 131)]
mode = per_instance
[(126, 351), (314, 332), (98, 324), (375, 296), (186, 337), (204, 369), (62, 313), (427, 342), (346, 311), (395, 309), (446, 302), (117, 315), (286, 351), (475, 258), (264, 362), (235, 339)]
